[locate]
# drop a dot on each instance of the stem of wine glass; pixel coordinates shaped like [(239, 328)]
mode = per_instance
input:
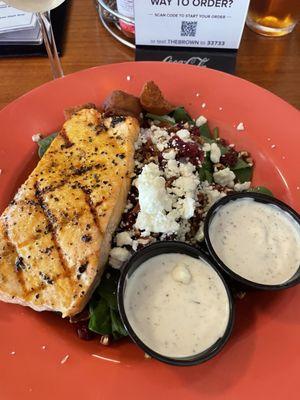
[(49, 41)]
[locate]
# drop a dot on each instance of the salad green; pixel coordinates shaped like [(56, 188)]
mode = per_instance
[(104, 315), (45, 143)]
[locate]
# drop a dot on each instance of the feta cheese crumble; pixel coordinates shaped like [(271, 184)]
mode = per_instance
[(224, 177), (239, 187), (184, 135), (117, 256), (215, 153), (200, 121), (36, 138), (206, 147), (123, 239), (154, 202), (170, 155), (161, 207), (212, 194)]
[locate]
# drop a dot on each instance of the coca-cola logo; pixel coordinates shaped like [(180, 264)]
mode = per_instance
[(200, 61)]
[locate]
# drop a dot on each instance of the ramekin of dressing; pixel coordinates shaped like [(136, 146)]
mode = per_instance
[(174, 303), (255, 239)]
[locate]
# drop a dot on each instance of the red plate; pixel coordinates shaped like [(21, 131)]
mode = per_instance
[(262, 358)]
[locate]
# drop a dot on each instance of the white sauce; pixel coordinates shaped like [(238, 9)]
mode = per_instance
[(177, 305), (257, 241)]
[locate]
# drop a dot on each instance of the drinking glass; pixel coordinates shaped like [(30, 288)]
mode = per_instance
[(273, 17), (42, 9)]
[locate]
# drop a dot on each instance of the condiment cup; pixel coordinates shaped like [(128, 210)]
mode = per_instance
[(163, 248), (262, 198)]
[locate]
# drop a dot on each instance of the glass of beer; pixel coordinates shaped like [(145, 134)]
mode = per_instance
[(273, 17)]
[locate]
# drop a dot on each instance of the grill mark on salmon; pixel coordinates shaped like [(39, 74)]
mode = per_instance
[(18, 271), (76, 172), (51, 222), (92, 208)]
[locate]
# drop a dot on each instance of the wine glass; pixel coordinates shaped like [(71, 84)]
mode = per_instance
[(42, 8)]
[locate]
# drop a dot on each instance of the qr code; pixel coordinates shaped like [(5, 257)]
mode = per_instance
[(188, 28)]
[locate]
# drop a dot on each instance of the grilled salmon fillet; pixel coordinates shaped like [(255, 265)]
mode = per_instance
[(55, 235)]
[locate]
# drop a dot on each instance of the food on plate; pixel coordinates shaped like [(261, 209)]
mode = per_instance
[(55, 235), (259, 242), (176, 304), (102, 179), (121, 103), (153, 101)]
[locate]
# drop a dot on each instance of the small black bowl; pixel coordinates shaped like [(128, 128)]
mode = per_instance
[(262, 198), (143, 255)]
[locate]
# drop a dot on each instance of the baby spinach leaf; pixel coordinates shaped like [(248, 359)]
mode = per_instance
[(181, 115), (243, 174), (205, 131), (45, 143), (261, 189), (242, 170), (161, 118), (223, 149), (108, 288), (118, 329), (240, 164), (105, 318), (207, 164), (100, 319), (206, 169), (205, 175)]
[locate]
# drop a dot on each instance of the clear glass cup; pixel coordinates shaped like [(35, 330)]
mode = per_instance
[(42, 10), (273, 17)]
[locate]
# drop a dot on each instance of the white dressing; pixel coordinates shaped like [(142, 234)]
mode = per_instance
[(176, 304), (259, 242)]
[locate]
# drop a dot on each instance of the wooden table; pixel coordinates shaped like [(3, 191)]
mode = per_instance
[(271, 63)]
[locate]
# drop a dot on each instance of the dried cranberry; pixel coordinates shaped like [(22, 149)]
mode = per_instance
[(149, 147), (201, 199), (195, 131), (129, 218), (223, 142), (188, 150), (83, 331), (170, 181), (230, 158), (195, 222), (160, 159)]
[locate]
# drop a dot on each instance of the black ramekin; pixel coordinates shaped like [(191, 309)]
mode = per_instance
[(262, 198), (171, 247)]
